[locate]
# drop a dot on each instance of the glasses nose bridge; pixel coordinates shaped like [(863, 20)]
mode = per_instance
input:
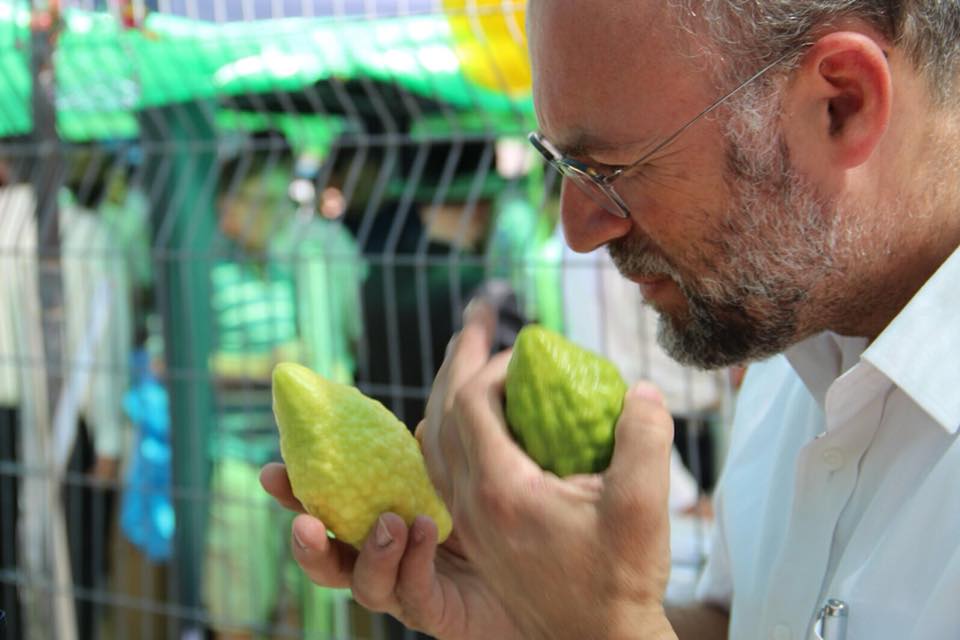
[(597, 191), (596, 186)]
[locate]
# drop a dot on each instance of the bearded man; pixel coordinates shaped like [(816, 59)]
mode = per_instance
[(780, 179)]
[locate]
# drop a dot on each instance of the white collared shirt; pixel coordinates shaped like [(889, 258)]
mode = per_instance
[(843, 481)]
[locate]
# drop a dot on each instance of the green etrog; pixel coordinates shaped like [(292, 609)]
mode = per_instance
[(348, 457), (562, 402)]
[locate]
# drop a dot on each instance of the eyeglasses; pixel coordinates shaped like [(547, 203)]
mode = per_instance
[(599, 185)]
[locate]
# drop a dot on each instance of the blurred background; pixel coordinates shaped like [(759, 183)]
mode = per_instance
[(194, 190)]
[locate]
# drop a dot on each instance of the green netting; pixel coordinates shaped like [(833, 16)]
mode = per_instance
[(105, 73)]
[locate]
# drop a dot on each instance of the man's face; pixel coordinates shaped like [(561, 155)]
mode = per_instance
[(251, 211), (775, 248), (725, 240)]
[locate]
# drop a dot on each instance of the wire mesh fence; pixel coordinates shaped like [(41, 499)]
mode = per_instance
[(193, 191)]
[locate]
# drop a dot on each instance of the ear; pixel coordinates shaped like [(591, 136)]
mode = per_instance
[(840, 101)]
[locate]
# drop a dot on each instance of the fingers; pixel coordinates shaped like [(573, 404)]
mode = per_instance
[(375, 573), (326, 561), (642, 445), (470, 349), (274, 479), (394, 571), (467, 353), (420, 596), (488, 445)]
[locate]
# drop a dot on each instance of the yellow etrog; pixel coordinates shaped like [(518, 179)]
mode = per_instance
[(562, 402), (348, 457)]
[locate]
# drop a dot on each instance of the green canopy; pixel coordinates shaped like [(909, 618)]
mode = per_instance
[(106, 73)]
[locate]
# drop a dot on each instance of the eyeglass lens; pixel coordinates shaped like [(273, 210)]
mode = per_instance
[(592, 189)]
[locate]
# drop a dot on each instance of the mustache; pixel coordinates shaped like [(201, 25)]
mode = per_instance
[(635, 258)]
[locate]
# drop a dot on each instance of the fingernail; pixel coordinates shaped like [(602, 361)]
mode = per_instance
[(470, 310), (299, 542), (382, 535), (479, 310), (647, 391)]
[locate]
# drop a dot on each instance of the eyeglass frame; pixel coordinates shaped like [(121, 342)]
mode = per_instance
[(577, 170)]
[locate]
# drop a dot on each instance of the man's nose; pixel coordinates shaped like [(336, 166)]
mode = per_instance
[(587, 225)]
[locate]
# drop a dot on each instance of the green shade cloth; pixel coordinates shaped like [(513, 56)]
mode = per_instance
[(106, 73)]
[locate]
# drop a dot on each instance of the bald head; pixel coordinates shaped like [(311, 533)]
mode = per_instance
[(597, 70)]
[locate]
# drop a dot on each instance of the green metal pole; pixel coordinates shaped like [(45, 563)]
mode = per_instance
[(179, 154), (47, 177)]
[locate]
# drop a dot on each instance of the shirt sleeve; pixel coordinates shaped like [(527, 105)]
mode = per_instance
[(108, 374)]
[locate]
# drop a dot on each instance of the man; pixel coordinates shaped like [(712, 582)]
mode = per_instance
[(87, 445), (814, 211)]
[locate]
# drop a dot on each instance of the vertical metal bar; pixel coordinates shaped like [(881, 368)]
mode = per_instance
[(181, 139), (47, 179)]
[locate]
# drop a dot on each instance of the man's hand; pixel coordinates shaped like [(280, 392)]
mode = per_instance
[(531, 555)]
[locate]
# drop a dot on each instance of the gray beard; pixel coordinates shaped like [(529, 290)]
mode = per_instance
[(771, 250)]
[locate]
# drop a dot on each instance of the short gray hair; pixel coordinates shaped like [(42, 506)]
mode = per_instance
[(760, 31)]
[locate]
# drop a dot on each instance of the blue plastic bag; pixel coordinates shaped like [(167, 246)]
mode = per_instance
[(146, 510)]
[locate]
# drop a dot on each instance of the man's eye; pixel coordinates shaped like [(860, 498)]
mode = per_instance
[(606, 169)]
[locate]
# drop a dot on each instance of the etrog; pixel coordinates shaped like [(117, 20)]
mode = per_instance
[(348, 457), (562, 402)]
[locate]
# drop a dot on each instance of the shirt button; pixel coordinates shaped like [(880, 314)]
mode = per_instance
[(833, 459), (781, 632)]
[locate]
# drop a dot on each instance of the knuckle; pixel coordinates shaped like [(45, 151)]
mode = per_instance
[(463, 399), (662, 431), (411, 610), (368, 599), (652, 414), (636, 503), (655, 423), (494, 505)]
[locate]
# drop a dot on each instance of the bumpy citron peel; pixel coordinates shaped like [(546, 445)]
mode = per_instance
[(562, 402), (348, 457)]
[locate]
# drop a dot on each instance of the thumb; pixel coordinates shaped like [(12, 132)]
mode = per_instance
[(643, 444)]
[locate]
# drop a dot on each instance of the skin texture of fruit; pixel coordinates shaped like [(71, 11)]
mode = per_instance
[(348, 457), (562, 402)]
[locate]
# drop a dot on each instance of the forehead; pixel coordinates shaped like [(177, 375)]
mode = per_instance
[(611, 70)]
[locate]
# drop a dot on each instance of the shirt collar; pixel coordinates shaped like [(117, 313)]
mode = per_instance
[(821, 359), (920, 350)]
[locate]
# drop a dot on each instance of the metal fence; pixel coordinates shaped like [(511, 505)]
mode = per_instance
[(191, 191)]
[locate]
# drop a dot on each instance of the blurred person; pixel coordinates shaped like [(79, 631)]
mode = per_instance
[(779, 178), (16, 262), (98, 340), (285, 287), (98, 301), (424, 235)]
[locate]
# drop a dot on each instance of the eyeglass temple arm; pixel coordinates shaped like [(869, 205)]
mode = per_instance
[(710, 108)]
